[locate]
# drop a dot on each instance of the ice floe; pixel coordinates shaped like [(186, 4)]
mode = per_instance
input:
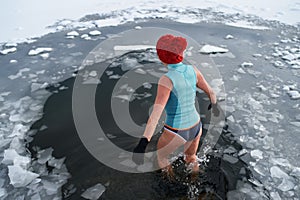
[(73, 33), (228, 37), (20, 177), (247, 25), (39, 50), (247, 64), (7, 51), (94, 192), (132, 47), (94, 33), (207, 49)]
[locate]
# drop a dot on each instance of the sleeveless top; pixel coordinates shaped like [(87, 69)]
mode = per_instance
[(180, 108)]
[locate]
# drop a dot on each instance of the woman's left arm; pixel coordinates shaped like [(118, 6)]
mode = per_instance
[(163, 92)]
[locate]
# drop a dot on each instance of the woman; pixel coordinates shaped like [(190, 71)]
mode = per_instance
[(176, 94)]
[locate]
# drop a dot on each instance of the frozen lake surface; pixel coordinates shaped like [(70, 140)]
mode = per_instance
[(258, 60)]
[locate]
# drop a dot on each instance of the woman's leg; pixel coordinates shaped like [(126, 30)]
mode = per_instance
[(167, 144), (190, 150)]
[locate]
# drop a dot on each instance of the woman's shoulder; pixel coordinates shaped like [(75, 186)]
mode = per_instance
[(166, 81)]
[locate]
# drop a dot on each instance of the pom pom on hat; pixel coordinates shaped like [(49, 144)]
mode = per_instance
[(170, 48)]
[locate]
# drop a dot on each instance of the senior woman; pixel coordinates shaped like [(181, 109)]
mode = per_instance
[(176, 94)]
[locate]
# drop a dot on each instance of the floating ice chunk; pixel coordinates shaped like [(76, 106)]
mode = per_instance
[(257, 55), (123, 97), (140, 71), (294, 94), (11, 44), (207, 49), (229, 150), (111, 136), (280, 161), (2, 192), (295, 124), (295, 172), (41, 72), (230, 118), (22, 161), (115, 76), (17, 145), (286, 185), (43, 127), (19, 74), (20, 177), (241, 71), (295, 66), (257, 154), (255, 104), (262, 88), (44, 155), (247, 25), (19, 129), (230, 158), (36, 196), (129, 63), (128, 163), (254, 73), (91, 81), (285, 88), (242, 152), (73, 33), (57, 163), (275, 196), (289, 57), (51, 188), (228, 37), (147, 85), (94, 192), (230, 109), (276, 172), (278, 64), (95, 33), (13, 61), (235, 78), (108, 22), (85, 36), (247, 64), (218, 82), (36, 86), (260, 169), (132, 47), (34, 52), (10, 50), (11, 156), (93, 73), (45, 55)]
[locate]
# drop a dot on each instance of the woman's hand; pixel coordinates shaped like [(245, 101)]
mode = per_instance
[(215, 109), (139, 150)]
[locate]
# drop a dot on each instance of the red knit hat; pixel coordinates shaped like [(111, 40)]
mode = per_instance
[(170, 48)]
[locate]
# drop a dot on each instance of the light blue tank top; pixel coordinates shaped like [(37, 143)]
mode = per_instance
[(180, 108)]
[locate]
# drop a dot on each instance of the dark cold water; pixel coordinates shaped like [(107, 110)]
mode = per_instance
[(218, 175)]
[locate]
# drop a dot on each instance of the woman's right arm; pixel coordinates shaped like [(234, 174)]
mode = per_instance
[(203, 85)]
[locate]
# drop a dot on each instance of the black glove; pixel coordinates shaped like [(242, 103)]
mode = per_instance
[(215, 109), (139, 150)]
